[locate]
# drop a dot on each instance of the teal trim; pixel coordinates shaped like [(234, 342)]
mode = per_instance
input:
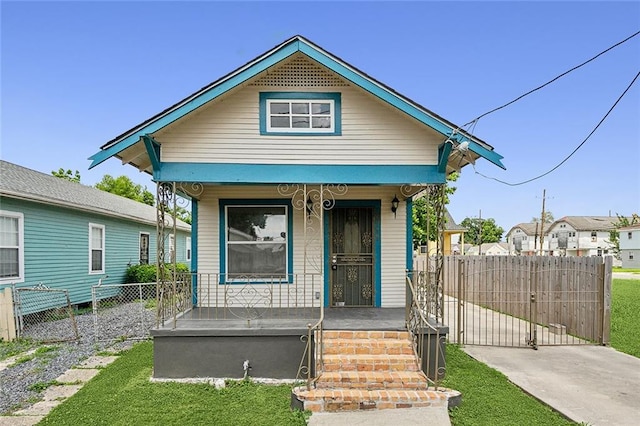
[(294, 45), (409, 225), (492, 156), (194, 248), (377, 250), (199, 100), (336, 97), (376, 90), (443, 156), (298, 173), (254, 202), (153, 151)]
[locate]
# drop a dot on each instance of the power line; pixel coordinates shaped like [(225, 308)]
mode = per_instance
[(575, 150), (551, 81)]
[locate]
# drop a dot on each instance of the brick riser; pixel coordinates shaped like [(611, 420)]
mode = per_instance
[(365, 370)]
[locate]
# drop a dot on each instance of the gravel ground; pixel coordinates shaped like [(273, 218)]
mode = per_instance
[(117, 329)]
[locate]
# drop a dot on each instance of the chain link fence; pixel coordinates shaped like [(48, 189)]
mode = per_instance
[(123, 311), (44, 315)]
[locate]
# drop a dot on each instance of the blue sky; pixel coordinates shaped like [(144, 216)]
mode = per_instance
[(76, 74)]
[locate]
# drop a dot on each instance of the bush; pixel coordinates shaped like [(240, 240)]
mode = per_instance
[(147, 273)]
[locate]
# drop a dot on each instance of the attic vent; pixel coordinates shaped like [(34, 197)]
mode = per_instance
[(300, 72)]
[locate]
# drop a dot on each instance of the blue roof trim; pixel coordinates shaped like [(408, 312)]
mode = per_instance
[(210, 94), (296, 44), (225, 173), (153, 150)]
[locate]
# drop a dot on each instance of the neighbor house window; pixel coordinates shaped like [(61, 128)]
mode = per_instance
[(629, 235), (11, 247), (172, 248), (630, 256), (256, 240), (188, 249), (96, 249), (594, 236), (290, 113), (144, 248)]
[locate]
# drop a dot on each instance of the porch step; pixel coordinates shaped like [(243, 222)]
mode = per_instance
[(368, 370)]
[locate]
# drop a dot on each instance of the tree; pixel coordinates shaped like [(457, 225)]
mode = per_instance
[(67, 175), (419, 214), (125, 187), (482, 230), (614, 234), (548, 218)]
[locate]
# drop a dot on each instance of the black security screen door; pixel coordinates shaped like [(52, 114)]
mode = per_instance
[(351, 258)]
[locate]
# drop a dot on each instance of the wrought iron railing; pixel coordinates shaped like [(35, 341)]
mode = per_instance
[(249, 298), (421, 316)]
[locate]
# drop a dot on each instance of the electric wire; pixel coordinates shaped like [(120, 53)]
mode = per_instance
[(575, 150), (551, 81)]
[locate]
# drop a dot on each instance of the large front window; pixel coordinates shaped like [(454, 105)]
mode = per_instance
[(256, 240), (11, 247)]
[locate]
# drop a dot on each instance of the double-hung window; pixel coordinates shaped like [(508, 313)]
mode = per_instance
[(298, 113), (11, 247), (96, 249), (256, 240)]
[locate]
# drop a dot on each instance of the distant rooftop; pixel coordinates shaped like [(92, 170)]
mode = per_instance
[(26, 184)]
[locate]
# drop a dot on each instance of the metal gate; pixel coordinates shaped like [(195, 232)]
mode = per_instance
[(527, 301), (44, 314)]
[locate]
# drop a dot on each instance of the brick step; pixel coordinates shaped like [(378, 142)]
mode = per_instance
[(367, 346), (317, 400), (340, 362), (358, 334), (407, 380)]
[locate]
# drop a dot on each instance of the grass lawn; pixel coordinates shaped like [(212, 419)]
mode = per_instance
[(123, 395), (489, 398), (625, 316)]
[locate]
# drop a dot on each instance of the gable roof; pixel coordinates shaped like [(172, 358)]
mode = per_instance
[(450, 224), (26, 184), (290, 47), (588, 223), (531, 228)]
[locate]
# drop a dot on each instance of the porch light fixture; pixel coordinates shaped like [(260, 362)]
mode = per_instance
[(309, 206), (394, 205)]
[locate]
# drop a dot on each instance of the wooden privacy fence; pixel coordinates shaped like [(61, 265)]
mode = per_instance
[(527, 300)]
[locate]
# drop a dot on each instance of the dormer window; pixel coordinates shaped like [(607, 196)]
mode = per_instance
[(297, 113)]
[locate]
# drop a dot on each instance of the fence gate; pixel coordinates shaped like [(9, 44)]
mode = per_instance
[(44, 314), (527, 301)]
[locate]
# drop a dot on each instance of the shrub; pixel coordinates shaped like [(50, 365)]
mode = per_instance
[(147, 273)]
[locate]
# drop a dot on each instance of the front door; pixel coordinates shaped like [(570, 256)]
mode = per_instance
[(352, 257)]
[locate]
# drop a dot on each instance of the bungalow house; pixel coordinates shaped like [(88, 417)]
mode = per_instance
[(630, 246), (524, 239), (489, 249), (301, 170), (581, 236), (65, 235)]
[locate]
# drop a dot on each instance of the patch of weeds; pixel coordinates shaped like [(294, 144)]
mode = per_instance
[(150, 304), (23, 359), (15, 347), (105, 353), (121, 339), (42, 386)]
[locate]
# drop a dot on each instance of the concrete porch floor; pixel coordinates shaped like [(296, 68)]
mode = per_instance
[(289, 318)]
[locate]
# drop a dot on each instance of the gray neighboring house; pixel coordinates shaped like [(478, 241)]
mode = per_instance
[(630, 246), (66, 235)]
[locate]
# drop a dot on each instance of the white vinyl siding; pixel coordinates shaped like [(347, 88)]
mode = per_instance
[(393, 233), (11, 247), (96, 248), (228, 131)]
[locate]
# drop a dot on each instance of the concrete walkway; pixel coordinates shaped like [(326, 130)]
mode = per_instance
[(591, 384), (70, 382)]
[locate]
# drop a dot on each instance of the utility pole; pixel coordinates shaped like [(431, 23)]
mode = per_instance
[(542, 219), (480, 233)]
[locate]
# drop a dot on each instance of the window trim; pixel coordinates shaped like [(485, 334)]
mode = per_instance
[(21, 272), (148, 247), (187, 253), (243, 202), (335, 97), (103, 248)]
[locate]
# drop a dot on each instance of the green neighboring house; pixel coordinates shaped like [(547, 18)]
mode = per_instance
[(65, 235)]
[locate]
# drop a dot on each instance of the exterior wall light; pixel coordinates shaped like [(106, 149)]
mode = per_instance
[(394, 205)]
